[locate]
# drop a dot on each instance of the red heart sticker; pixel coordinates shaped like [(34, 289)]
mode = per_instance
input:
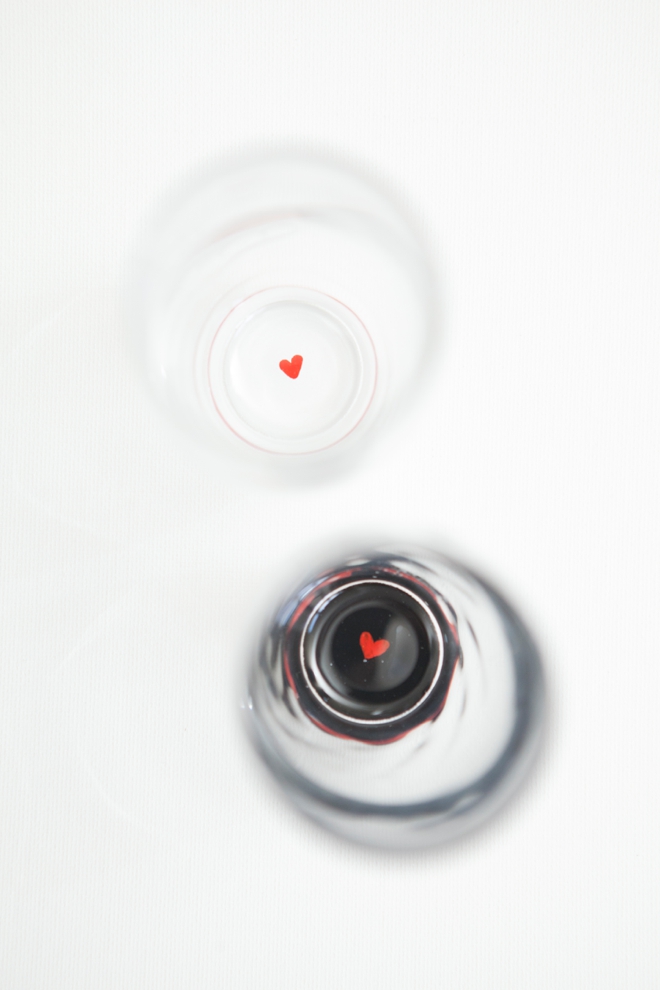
[(371, 649), (292, 367)]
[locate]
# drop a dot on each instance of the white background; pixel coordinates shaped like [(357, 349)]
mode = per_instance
[(139, 845)]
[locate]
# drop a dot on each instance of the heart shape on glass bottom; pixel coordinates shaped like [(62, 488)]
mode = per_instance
[(371, 649), (292, 367)]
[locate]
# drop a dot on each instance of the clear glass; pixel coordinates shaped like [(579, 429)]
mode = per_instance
[(396, 697), (283, 310)]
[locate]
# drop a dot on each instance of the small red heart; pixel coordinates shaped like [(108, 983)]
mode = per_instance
[(371, 649), (292, 367)]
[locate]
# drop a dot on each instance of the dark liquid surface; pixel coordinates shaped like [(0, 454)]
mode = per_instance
[(374, 650)]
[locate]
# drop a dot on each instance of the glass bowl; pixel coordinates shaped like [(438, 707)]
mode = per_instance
[(283, 310), (396, 697)]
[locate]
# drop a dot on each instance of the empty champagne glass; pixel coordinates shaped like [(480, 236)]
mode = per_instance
[(283, 311)]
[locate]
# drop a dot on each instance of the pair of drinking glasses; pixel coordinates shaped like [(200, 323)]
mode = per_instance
[(285, 313)]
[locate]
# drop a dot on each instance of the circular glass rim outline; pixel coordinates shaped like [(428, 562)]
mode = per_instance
[(391, 718), (370, 351), (427, 822)]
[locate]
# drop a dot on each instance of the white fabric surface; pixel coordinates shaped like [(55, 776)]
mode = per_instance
[(139, 844)]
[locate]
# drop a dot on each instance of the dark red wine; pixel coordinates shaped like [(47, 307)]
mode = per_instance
[(372, 650)]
